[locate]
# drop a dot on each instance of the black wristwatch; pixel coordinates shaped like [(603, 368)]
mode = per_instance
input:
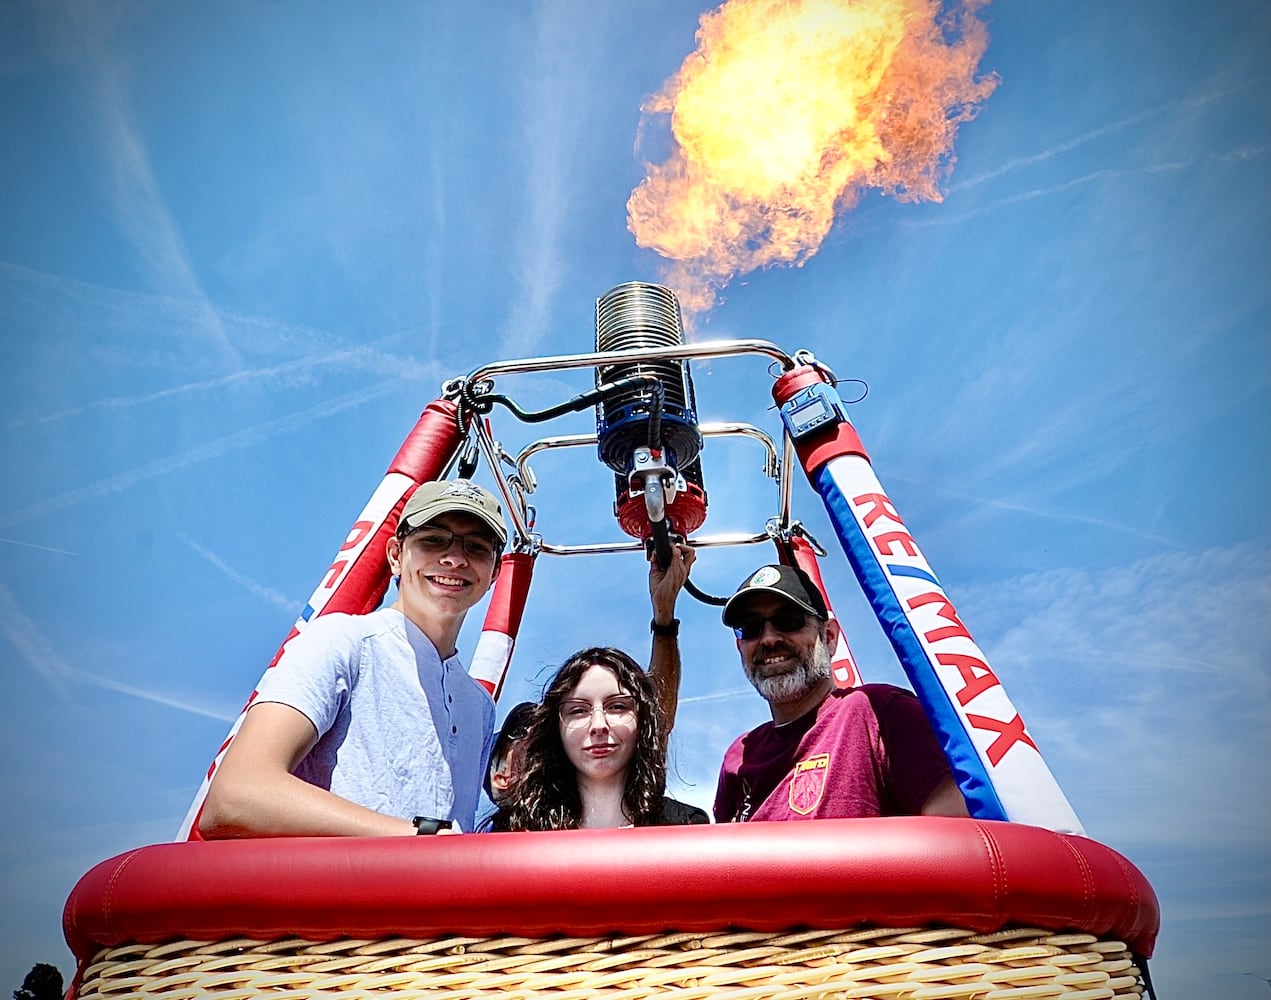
[(425, 825), (671, 629)]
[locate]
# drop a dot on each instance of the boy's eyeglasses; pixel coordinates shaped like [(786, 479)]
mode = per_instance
[(435, 538), (580, 713), (786, 622)]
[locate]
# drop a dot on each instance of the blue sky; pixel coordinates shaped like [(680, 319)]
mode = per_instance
[(242, 246)]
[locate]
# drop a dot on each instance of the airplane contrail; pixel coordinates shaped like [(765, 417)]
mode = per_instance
[(154, 696), (204, 385), (1102, 130), (278, 600), (212, 449), (39, 653), (31, 643), (42, 548), (724, 695)]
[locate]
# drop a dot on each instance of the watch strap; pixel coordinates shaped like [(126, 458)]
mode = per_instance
[(671, 629), (425, 825)]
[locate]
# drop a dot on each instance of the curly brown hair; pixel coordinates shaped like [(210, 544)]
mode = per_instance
[(544, 794)]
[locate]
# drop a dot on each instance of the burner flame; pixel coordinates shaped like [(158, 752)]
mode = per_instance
[(785, 114)]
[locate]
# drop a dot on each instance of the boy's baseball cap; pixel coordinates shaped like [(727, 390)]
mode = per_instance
[(453, 496)]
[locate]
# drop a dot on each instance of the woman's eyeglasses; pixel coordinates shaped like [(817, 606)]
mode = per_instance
[(786, 622), (435, 538), (580, 713)]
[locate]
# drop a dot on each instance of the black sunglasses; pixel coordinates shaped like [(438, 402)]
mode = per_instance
[(786, 622)]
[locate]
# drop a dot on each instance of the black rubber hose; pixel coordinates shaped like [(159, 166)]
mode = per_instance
[(705, 598), (661, 543), (580, 402), (655, 415)]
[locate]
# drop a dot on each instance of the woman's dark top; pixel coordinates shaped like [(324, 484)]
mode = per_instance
[(670, 812), (674, 813)]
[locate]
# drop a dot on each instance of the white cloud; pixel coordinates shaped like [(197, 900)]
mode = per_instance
[(1145, 685), (724, 695), (1148, 685)]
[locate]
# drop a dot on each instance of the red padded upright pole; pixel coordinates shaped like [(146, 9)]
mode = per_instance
[(842, 663), (502, 622)]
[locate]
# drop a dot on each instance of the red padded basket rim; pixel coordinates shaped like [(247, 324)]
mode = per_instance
[(890, 872)]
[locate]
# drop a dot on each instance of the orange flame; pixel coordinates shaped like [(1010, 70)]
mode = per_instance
[(786, 112)]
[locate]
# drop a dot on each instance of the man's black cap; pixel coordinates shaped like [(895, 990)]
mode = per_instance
[(788, 582)]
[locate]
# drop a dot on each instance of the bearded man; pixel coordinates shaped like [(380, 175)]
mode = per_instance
[(828, 753)]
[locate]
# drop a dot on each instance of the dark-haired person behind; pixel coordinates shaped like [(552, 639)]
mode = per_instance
[(507, 751), (594, 753)]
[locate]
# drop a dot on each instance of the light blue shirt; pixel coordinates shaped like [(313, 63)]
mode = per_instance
[(400, 730)]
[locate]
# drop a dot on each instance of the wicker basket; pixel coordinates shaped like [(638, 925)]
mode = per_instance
[(146, 924)]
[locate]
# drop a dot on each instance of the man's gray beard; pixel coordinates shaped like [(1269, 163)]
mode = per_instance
[(782, 688)]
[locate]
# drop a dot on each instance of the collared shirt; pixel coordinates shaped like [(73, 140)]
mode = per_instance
[(400, 730)]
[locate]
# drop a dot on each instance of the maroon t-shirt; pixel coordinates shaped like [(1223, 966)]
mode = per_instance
[(868, 751)]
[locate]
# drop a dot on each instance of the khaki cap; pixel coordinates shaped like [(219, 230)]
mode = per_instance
[(453, 496)]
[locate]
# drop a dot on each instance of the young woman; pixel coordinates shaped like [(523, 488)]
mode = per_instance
[(594, 753)]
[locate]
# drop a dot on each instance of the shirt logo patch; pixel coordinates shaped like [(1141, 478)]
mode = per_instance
[(807, 783)]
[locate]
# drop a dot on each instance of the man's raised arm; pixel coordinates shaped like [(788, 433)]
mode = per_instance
[(664, 658)]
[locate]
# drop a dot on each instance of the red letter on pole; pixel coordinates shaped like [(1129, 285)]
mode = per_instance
[(1009, 733), (977, 676), (883, 543), (333, 574), (946, 612), (880, 506), (356, 534)]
